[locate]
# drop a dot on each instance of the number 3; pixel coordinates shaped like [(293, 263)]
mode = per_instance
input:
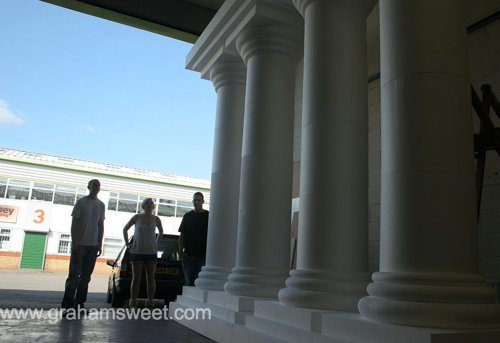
[(40, 218)]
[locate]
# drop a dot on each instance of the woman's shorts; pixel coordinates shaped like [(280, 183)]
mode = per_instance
[(146, 258)]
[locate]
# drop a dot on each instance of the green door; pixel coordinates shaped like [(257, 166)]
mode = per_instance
[(33, 250)]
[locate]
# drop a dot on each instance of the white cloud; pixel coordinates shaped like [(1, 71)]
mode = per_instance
[(89, 128), (7, 117)]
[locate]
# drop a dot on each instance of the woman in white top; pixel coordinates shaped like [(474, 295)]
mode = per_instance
[(143, 250)]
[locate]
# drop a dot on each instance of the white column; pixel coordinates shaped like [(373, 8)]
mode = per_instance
[(263, 243), (428, 259), (228, 78), (332, 271)]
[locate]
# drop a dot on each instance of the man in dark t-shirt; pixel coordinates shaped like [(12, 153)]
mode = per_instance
[(193, 239)]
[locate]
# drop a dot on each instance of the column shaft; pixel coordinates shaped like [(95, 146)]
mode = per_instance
[(263, 243), (229, 81), (428, 263), (332, 270)]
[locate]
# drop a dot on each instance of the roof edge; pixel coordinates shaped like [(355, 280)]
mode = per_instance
[(124, 19)]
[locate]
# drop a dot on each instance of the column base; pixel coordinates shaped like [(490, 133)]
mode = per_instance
[(246, 320), (322, 290), (212, 278), (353, 328), (299, 325), (227, 315), (252, 282), (286, 323), (194, 293), (431, 300)]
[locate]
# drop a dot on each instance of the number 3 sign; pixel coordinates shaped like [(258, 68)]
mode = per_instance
[(38, 218)]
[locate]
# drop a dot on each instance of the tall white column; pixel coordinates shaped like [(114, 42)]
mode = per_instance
[(229, 78), (263, 243), (428, 259), (332, 271)]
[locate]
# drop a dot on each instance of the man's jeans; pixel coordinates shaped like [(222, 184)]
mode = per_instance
[(81, 266), (191, 266)]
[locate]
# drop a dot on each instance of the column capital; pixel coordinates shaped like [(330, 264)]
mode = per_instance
[(228, 72), (270, 38), (219, 37)]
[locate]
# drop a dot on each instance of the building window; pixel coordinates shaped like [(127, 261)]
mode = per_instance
[(64, 244), (127, 203), (3, 187), (18, 189), (81, 192), (111, 247), (113, 201), (42, 191), (4, 239), (183, 207), (65, 195), (185, 203), (181, 211), (166, 208)]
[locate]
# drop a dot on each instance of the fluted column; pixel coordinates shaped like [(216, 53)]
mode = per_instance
[(332, 271), (263, 243), (428, 259), (229, 78)]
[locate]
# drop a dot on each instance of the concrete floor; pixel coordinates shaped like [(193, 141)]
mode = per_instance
[(25, 290), (86, 330)]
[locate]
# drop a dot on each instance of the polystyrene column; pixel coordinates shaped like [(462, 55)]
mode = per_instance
[(332, 271), (428, 259), (229, 79), (263, 243)]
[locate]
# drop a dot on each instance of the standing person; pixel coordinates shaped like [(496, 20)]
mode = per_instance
[(143, 250), (193, 239), (87, 230)]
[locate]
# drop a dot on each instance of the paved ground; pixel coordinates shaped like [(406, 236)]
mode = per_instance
[(28, 289), (25, 288)]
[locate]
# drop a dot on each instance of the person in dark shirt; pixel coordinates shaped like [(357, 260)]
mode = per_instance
[(193, 239)]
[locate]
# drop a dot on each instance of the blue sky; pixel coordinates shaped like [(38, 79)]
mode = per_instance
[(78, 86)]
